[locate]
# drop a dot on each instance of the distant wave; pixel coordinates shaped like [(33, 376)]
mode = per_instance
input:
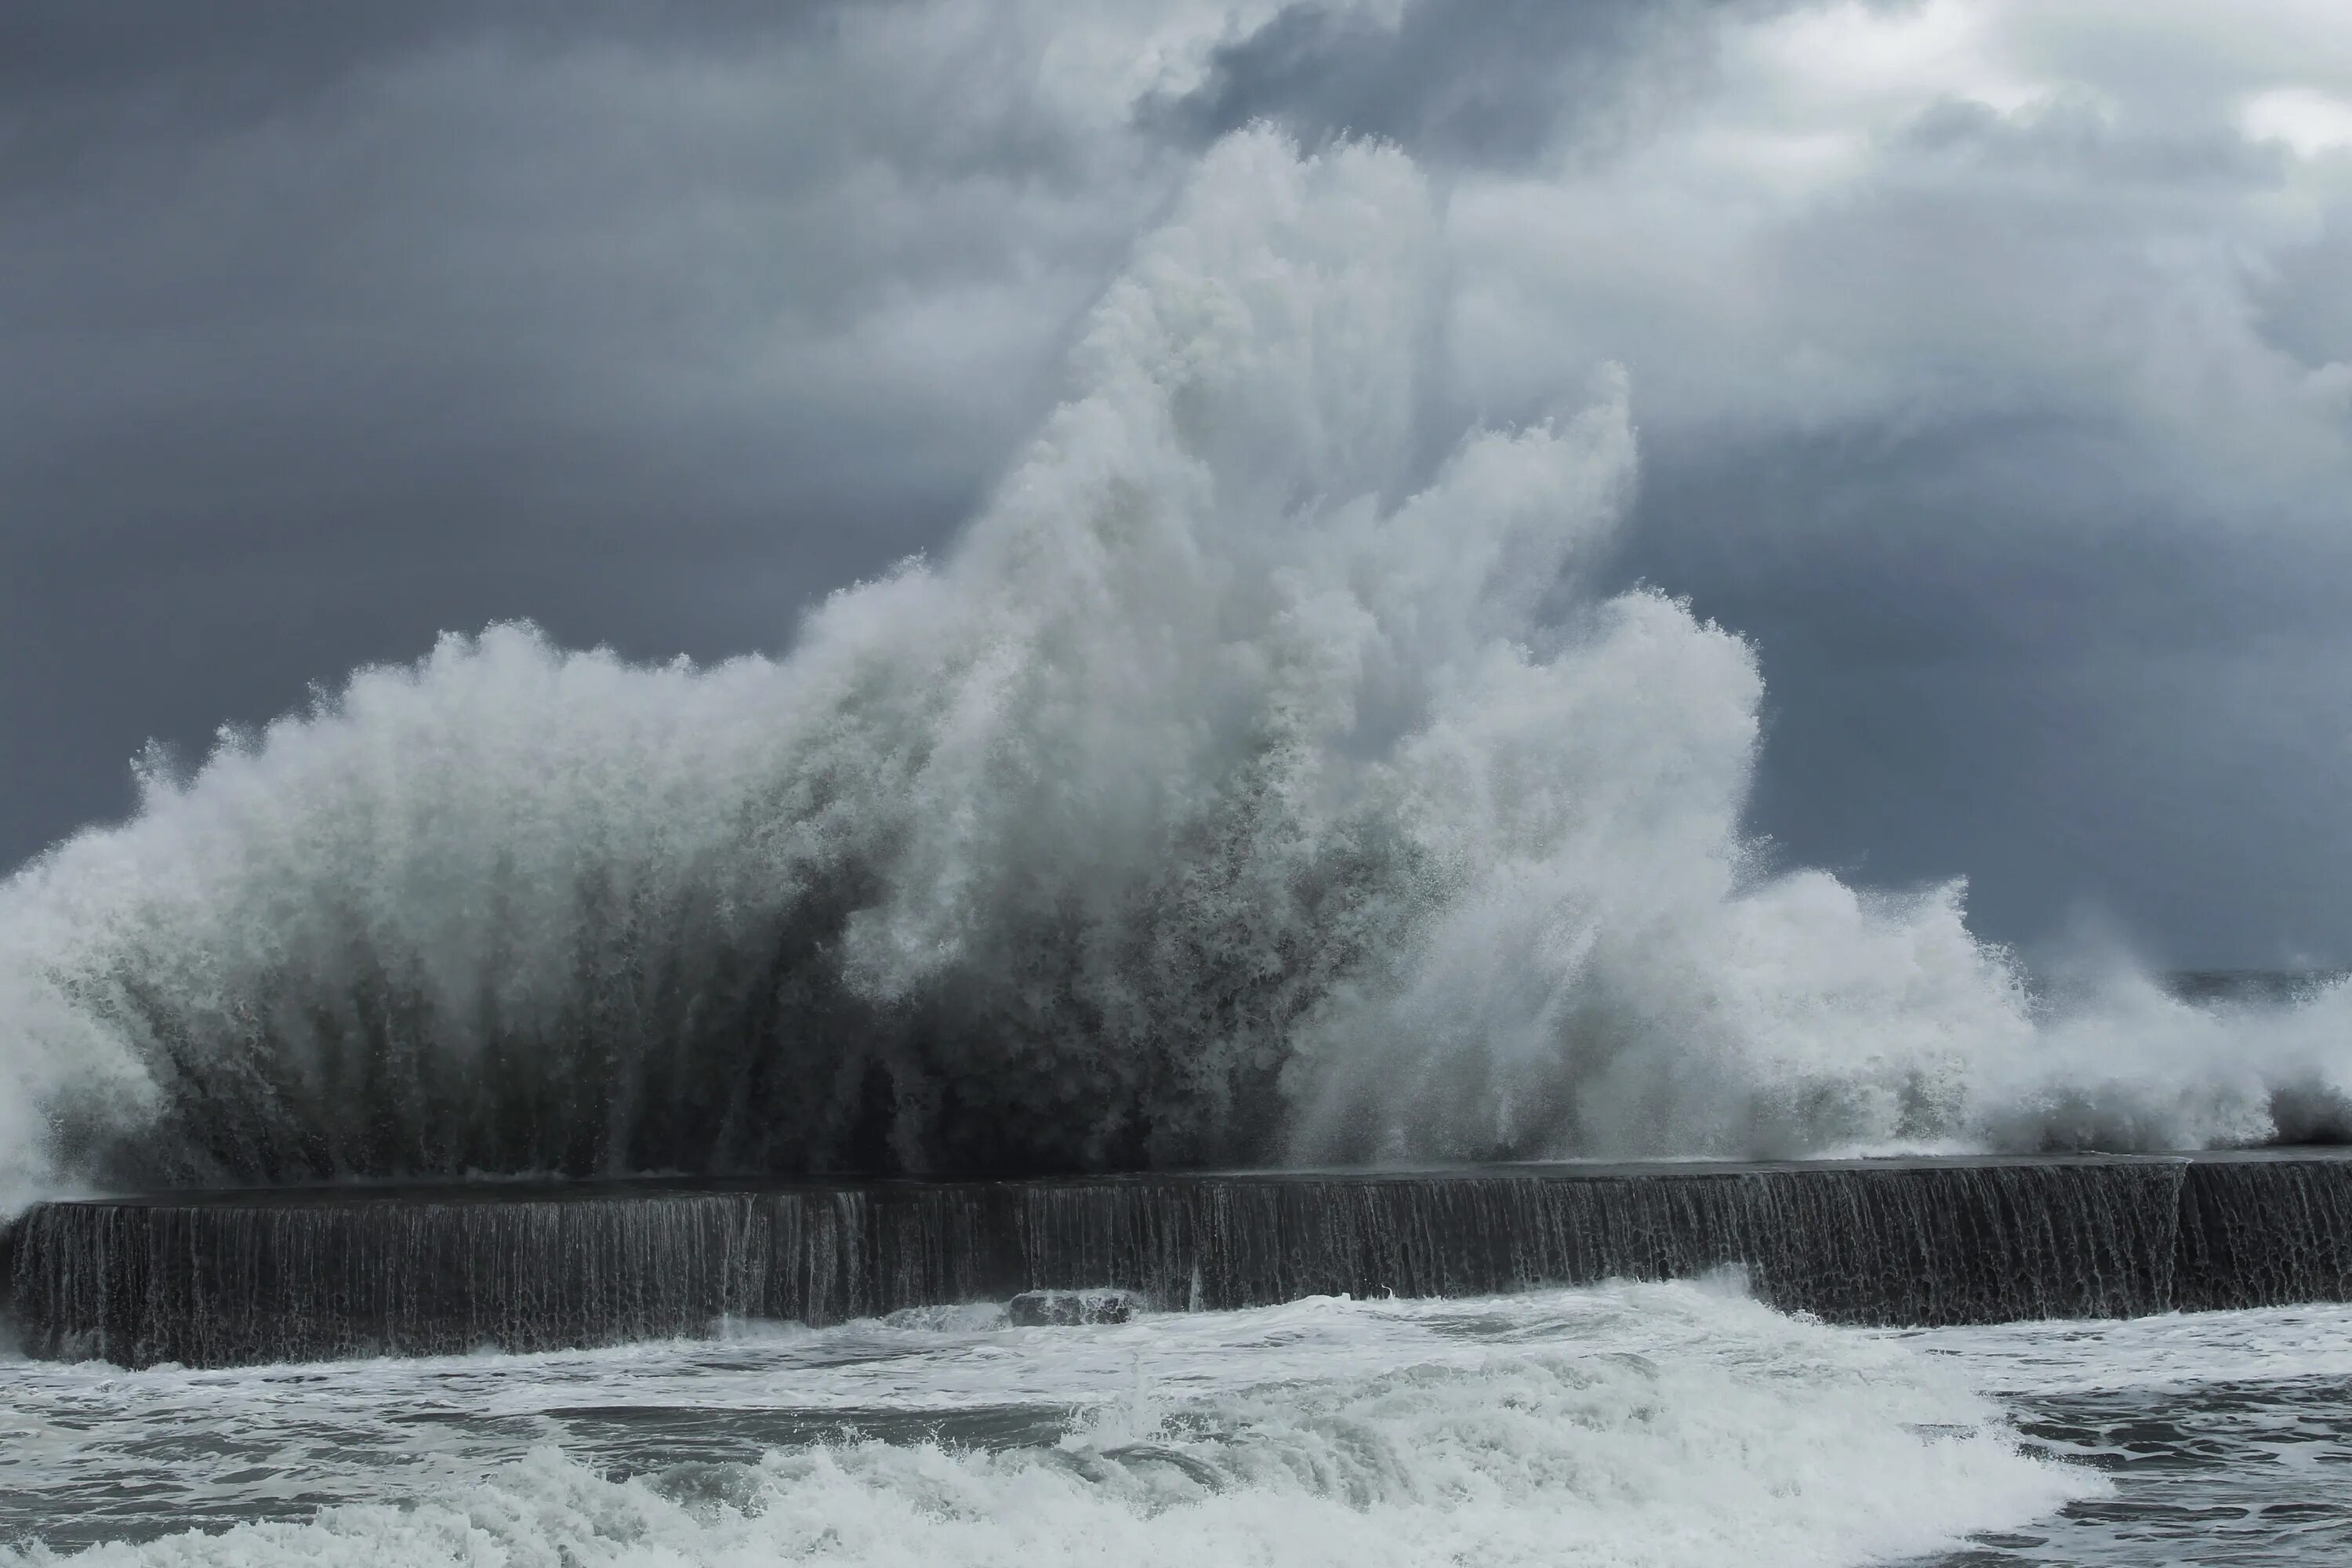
[(1223, 794)]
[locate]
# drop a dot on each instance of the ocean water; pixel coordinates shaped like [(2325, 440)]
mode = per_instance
[(1630, 1424), (2226, 1437)]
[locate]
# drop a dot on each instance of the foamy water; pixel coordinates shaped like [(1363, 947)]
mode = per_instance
[(1652, 1423), (1663, 1424)]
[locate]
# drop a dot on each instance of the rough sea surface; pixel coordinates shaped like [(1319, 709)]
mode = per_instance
[(1631, 1424)]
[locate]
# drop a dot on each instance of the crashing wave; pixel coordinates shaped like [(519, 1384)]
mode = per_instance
[(1228, 792)]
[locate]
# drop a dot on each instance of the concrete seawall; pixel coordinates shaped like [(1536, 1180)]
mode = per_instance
[(235, 1277)]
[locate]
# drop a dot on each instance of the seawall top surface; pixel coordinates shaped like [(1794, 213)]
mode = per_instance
[(513, 1190)]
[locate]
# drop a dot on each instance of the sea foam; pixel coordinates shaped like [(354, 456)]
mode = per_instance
[(1656, 1425)]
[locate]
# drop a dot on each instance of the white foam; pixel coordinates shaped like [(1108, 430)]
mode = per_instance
[(1632, 1424)]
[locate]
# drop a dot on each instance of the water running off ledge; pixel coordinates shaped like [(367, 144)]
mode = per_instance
[(216, 1278)]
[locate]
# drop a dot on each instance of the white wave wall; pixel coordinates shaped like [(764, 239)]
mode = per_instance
[(1216, 795)]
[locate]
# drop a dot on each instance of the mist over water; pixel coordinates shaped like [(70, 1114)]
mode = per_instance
[(1230, 792)]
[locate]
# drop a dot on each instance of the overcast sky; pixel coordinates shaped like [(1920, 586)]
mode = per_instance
[(1992, 360)]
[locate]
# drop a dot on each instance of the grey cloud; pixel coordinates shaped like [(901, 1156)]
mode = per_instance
[(2075, 136), (85, 83), (2020, 458), (2300, 303), (211, 56), (2003, 651), (650, 328), (1489, 82)]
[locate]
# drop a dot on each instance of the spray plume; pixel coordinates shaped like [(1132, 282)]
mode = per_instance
[(1223, 795)]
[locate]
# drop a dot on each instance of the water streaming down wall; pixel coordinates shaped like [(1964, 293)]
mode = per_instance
[(2264, 1233), (228, 1279)]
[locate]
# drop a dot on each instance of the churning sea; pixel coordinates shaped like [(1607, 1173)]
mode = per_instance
[(1653, 1424)]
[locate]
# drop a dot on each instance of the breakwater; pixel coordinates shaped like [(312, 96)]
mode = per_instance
[(233, 1278)]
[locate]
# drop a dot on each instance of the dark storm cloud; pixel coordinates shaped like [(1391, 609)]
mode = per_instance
[(1494, 82), (2022, 461), (52, 50), (2093, 652), (329, 327), (1997, 651), (83, 83)]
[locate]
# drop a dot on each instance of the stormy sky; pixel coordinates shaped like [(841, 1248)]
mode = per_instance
[(1993, 361)]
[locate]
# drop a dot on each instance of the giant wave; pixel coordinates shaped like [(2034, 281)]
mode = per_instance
[(1233, 790)]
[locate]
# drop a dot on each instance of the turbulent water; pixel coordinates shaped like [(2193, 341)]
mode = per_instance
[(1652, 1424), (1236, 788)]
